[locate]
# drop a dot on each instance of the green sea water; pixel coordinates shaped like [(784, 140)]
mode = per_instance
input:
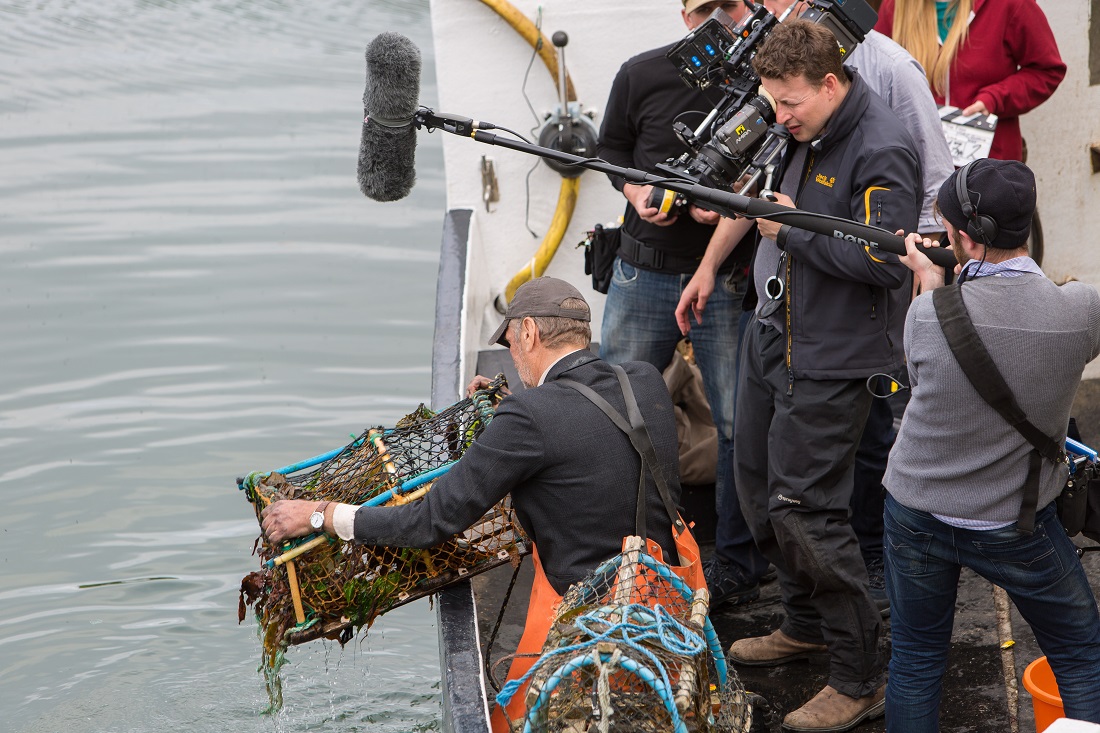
[(192, 287)]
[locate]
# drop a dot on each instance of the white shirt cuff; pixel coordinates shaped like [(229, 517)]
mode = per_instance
[(343, 521)]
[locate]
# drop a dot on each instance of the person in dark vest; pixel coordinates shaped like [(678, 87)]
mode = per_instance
[(829, 315), (659, 253)]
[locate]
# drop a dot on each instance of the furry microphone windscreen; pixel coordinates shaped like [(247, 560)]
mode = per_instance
[(387, 149)]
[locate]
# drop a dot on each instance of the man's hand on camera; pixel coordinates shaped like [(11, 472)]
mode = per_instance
[(694, 298), (637, 196), (769, 228), (703, 216), (739, 186)]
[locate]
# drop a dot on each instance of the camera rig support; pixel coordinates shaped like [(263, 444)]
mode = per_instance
[(738, 140)]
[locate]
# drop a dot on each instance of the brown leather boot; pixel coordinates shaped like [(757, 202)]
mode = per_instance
[(832, 712), (774, 649)]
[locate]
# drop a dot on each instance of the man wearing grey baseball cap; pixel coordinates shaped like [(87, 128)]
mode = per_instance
[(572, 473)]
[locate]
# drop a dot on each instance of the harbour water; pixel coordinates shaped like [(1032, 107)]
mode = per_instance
[(193, 287)]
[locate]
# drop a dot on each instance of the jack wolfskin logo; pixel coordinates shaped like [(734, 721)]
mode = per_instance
[(825, 181), (787, 499)]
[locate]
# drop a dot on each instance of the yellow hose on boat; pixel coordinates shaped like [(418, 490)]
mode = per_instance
[(523, 25), (567, 201), (567, 196)]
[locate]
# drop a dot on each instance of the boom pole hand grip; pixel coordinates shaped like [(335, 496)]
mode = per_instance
[(864, 234)]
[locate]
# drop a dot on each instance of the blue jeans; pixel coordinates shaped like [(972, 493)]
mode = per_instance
[(1042, 575), (639, 324)]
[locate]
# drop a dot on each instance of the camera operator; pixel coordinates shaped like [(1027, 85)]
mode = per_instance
[(895, 76), (830, 315), (658, 256)]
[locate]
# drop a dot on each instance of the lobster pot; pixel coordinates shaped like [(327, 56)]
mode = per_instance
[(632, 649), (321, 586)]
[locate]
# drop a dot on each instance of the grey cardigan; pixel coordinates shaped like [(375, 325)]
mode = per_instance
[(954, 455)]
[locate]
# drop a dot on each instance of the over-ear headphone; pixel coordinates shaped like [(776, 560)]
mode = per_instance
[(981, 228)]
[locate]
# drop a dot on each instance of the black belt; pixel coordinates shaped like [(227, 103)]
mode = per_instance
[(642, 255)]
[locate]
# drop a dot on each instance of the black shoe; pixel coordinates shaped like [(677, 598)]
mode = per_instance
[(877, 584), (727, 586)]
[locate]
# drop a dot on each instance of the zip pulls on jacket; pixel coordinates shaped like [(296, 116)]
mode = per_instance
[(787, 278)]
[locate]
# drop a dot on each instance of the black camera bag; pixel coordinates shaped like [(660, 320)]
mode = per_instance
[(600, 249), (1079, 502)]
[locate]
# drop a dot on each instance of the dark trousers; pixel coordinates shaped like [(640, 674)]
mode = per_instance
[(794, 455), (734, 543), (868, 494)]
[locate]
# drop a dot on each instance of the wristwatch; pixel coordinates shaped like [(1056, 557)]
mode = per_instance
[(317, 519)]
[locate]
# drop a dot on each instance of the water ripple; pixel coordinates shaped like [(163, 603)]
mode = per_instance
[(193, 286)]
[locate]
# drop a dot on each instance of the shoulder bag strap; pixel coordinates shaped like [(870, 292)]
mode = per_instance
[(986, 378), (636, 431)]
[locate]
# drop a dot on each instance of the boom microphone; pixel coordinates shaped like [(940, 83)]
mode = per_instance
[(393, 116), (387, 149)]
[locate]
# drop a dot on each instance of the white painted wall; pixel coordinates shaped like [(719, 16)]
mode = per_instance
[(480, 70), (1058, 135)]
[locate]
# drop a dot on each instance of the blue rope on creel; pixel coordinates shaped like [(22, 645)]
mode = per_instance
[(640, 624), (663, 570)]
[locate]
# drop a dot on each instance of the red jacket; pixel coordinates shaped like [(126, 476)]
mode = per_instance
[(1010, 61)]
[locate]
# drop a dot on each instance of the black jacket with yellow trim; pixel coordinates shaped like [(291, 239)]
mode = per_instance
[(847, 307)]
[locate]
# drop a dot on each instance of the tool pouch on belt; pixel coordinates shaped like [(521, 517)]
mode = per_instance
[(1079, 502), (600, 247)]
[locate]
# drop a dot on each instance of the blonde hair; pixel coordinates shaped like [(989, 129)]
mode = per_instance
[(915, 28)]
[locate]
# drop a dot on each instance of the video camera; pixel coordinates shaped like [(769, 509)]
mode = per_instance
[(739, 136)]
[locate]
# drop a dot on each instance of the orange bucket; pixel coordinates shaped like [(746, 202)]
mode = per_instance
[(1045, 700)]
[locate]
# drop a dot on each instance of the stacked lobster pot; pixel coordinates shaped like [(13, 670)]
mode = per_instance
[(631, 649)]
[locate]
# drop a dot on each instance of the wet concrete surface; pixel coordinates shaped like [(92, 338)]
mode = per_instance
[(974, 687)]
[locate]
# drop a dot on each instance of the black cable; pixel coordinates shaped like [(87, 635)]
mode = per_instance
[(688, 112), (513, 132), (526, 74), (523, 90), (496, 628)]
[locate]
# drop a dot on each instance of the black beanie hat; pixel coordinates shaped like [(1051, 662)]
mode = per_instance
[(1003, 190)]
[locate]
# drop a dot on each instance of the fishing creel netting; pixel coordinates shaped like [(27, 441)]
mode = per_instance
[(631, 650), (334, 588)]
